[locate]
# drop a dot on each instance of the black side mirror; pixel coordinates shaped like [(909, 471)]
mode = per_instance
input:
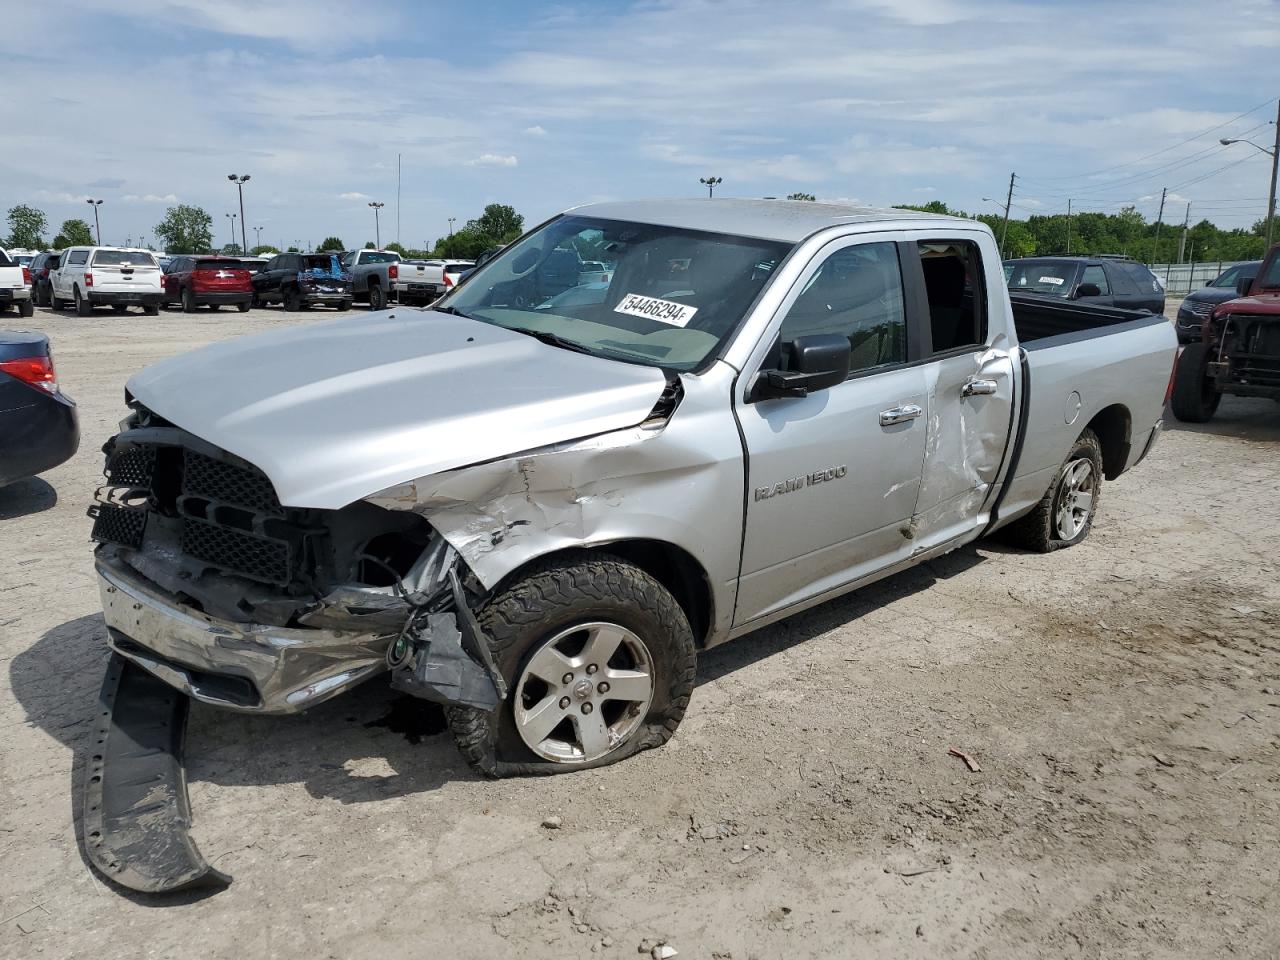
[(1088, 290), (817, 362), (1243, 285)]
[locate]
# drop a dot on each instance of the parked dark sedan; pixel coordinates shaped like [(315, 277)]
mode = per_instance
[(1200, 303), (1104, 281), (42, 265), (39, 428)]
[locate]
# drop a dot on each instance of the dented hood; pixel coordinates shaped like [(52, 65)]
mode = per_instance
[(333, 412)]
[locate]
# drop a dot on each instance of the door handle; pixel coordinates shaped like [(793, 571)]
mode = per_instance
[(979, 388), (908, 411)]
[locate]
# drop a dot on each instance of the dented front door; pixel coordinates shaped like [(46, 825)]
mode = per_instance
[(969, 416)]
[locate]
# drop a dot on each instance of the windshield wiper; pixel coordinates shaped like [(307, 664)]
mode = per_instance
[(452, 310), (554, 340)]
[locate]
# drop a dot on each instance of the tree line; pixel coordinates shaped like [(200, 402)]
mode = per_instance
[(189, 229), (1127, 232)]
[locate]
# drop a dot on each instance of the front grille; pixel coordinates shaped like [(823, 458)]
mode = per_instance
[(227, 483), (119, 525), (258, 558), (132, 467)]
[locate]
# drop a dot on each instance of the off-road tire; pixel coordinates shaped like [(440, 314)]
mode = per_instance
[(377, 297), (83, 307), (546, 600), (1038, 529), (1194, 399)]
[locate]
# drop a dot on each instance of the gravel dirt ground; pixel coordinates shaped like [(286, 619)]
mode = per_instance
[(1122, 699)]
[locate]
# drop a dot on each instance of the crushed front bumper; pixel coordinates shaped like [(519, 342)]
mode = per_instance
[(251, 668)]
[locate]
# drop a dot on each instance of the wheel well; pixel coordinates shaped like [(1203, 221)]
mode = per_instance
[(1113, 426), (672, 566)]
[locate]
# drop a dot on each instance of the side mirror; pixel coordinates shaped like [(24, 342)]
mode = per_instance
[(817, 362), (1088, 290), (1243, 285)]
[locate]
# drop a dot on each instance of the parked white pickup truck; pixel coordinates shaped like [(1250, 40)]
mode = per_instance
[(541, 517), (15, 286)]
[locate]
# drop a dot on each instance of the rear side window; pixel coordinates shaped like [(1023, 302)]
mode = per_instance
[(953, 280), (78, 256), (1121, 279), (457, 268), (219, 265), (1143, 278), (4, 260), (118, 258), (856, 293), (1096, 275), (377, 256)]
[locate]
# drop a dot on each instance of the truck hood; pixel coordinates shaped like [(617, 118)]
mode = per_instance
[(333, 412), (1260, 304)]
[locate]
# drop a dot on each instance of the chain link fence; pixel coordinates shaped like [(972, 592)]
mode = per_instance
[(1182, 278)]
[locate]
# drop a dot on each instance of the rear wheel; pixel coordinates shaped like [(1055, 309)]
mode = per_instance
[(292, 300), (344, 305), (377, 297), (1195, 397), (118, 308), (151, 310), (242, 307), (83, 307), (1064, 515), (188, 300), (26, 309), (599, 660)]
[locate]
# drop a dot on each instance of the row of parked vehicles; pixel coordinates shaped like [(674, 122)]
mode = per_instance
[(119, 277)]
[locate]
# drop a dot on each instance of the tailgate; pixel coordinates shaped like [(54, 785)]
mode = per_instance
[(108, 277)]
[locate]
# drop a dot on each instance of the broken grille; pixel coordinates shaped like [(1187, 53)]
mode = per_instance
[(227, 483), (132, 467), (258, 558), (119, 525)]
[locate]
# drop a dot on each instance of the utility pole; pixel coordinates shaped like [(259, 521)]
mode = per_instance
[(397, 199), (1068, 225), (1159, 219), (1182, 244), (1275, 168), (1004, 230)]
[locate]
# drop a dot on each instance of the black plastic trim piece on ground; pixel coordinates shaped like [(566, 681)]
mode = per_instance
[(136, 812)]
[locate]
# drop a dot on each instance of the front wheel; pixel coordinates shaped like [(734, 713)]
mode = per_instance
[(377, 297), (599, 661), (83, 307), (1064, 515), (188, 300), (1195, 397)]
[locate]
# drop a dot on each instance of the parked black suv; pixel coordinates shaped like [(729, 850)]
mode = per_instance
[(1200, 303), (41, 266), (301, 280), (1105, 281)]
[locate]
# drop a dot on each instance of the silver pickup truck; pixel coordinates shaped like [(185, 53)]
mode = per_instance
[(539, 516)]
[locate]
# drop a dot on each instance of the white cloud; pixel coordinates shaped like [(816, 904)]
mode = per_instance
[(149, 198), (60, 196), (537, 130), (354, 195), (493, 160), (924, 190)]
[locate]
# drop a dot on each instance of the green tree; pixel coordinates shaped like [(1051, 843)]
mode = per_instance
[(186, 229), (368, 245), (396, 248), (465, 244), (26, 227), (801, 196), (330, 243), (293, 250), (500, 222), (263, 250), (73, 233), (231, 250)]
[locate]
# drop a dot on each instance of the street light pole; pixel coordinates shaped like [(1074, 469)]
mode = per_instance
[(232, 217), (96, 223), (451, 219), (1274, 154), (711, 184), (377, 229), (240, 181)]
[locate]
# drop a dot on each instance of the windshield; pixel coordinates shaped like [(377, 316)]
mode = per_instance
[(1040, 276), (120, 257), (673, 298)]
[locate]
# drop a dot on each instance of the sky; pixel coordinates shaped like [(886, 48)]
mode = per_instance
[(545, 106)]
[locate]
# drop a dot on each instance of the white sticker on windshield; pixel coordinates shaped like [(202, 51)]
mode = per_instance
[(1056, 281), (664, 311)]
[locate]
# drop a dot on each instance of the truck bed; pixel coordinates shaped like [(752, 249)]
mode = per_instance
[(1037, 319)]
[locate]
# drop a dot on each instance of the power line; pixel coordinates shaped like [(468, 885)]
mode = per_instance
[(1197, 136)]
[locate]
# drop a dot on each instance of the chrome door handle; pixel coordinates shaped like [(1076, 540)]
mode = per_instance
[(979, 388), (908, 411)]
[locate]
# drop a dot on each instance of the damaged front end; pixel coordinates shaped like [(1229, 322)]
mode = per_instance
[(211, 584)]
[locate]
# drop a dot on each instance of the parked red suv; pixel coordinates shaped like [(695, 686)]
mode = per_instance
[(210, 280)]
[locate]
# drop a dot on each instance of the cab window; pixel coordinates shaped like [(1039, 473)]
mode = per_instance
[(956, 293), (1096, 275), (856, 293)]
